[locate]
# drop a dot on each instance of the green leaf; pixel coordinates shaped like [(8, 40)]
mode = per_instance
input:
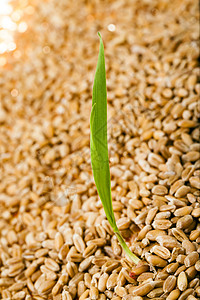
[(98, 139), (99, 146)]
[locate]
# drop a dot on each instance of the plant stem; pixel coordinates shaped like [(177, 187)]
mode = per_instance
[(132, 256)]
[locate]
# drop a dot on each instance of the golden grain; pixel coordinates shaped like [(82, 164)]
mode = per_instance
[(55, 238)]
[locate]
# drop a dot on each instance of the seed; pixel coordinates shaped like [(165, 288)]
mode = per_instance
[(127, 275), (140, 269), (167, 93), (144, 276), (155, 260), (84, 295), (161, 224), (87, 280), (117, 298), (71, 269), (94, 293), (37, 274), (79, 243), (195, 182), (179, 234), (153, 234), (194, 283), (63, 252), (185, 294), (100, 261), (41, 253), (45, 286), (169, 284), (98, 242), (155, 160), (171, 268), (144, 289), (17, 286), (197, 265), (184, 222), (51, 264), (191, 297), (167, 241), (182, 281), (81, 288), (194, 234), (180, 212), (196, 212), (187, 172), (59, 241), (123, 223), (140, 218), (182, 191), (191, 259), (179, 270), (155, 293), (163, 215), (143, 232), (75, 280), (101, 231), (120, 291), (111, 282), (136, 204), (50, 275), (102, 282), (49, 244), (163, 252), (57, 288), (173, 295), (121, 279), (115, 246), (66, 295), (191, 156), (15, 269), (180, 258), (107, 227), (151, 214), (191, 272), (188, 246), (159, 190), (175, 186), (198, 291), (19, 295), (110, 265), (85, 264), (75, 257)]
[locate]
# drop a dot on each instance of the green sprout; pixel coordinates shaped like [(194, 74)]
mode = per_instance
[(99, 147)]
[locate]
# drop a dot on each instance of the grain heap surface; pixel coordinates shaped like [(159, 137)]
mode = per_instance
[(55, 241)]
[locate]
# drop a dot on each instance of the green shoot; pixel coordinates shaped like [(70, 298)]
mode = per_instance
[(99, 147)]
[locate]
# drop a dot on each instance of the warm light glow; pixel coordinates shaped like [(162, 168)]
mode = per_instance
[(111, 27), (7, 23), (6, 8), (10, 22), (14, 93), (2, 61), (16, 15), (3, 47), (22, 27)]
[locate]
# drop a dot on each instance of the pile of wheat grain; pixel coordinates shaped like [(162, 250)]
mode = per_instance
[(55, 241)]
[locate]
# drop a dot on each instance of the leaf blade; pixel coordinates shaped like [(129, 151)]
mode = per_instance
[(99, 147), (98, 139)]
